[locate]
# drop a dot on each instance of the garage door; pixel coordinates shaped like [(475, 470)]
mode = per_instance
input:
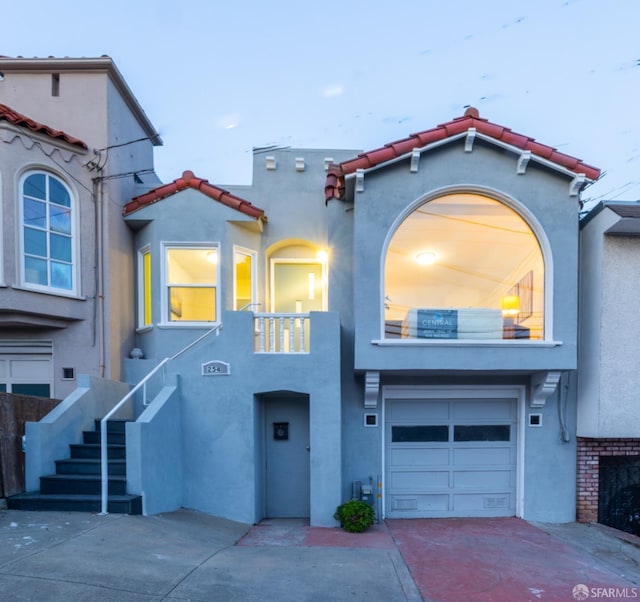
[(450, 457), (26, 368)]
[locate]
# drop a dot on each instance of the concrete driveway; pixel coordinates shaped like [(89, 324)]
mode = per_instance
[(187, 555)]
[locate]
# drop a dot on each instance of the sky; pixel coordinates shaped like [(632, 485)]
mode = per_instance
[(218, 78)]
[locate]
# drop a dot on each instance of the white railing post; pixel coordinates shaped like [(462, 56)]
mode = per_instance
[(302, 324), (261, 334)]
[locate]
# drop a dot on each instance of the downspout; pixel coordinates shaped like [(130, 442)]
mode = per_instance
[(99, 182)]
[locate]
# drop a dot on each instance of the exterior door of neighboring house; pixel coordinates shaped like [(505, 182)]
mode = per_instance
[(287, 457)]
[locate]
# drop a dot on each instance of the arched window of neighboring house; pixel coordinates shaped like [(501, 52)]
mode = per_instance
[(464, 266), (47, 231)]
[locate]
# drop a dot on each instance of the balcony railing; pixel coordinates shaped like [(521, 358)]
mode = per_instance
[(282, 333)]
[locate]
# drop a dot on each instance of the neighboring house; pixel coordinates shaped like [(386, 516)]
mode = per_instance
[(74, 147), (608, 427)]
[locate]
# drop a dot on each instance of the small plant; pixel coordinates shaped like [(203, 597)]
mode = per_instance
[(354, 516)]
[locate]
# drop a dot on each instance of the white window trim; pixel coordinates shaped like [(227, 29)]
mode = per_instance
[(238, 250), (142, 252), (164, 305), (2, 283), (74, 291)]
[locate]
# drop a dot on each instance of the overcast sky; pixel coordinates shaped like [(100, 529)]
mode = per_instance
[(219, 78)]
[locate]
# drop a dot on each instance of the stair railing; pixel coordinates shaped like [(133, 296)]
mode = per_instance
[(104, 458)]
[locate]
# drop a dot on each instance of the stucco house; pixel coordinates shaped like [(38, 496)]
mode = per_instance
[(608, 428), (400, 324), (75, 145)]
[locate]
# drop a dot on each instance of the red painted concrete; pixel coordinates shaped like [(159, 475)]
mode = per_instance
[(495, 560), (469, 560)]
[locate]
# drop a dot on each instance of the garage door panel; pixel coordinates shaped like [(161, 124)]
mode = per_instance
[(485, 480), (490, 455), (417, 505), (29, 368), (483, 505), (482, 410), (418, 412), (414, 480), (420, 457)]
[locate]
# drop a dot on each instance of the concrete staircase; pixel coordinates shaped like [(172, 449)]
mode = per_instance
[(77, 483)]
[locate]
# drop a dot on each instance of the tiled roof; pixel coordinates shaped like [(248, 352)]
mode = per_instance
[(334, 187), (8, 114), (188, 180)]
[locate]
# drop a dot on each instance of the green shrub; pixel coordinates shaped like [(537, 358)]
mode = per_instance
[(354, 516)]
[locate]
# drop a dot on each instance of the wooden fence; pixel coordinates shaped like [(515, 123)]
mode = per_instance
[(15, 410)]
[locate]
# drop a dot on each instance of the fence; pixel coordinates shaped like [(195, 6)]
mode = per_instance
[(15, 410)]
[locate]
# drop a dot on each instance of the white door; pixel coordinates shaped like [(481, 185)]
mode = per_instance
[(450, 457), (287, 469)]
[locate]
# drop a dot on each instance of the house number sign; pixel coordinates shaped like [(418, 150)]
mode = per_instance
[(216, 368)]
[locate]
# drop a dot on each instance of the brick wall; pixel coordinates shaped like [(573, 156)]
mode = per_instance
[(589, 452)]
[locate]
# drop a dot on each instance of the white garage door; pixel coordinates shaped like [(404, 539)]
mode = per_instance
[(450, 457)]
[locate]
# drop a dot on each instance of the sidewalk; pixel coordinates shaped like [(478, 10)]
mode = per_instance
[(186, 555)]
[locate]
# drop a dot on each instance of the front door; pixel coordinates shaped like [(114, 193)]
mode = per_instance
[(287, 457)]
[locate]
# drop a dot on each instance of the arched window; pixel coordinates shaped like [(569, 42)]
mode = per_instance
[(464, 266), (47, 230)]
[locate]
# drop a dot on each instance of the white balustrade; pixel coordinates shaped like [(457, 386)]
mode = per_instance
[(282, 333)]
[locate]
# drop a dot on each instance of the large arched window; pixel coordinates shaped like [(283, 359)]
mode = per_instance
[(47, 231), (464, 266)]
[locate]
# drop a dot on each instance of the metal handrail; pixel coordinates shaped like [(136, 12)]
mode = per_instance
[(104, 459)]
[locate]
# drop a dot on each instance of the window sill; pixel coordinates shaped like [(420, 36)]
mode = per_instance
[(495, 343), (143, 329), (50, 291), (188, 325)]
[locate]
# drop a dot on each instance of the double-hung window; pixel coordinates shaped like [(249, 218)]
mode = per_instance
[(47, 224), (191, 283)]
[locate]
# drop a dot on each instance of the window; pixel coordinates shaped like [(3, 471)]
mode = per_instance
[(144, 288), (191, 283), (244, 278), (47, 233), (464, 266)]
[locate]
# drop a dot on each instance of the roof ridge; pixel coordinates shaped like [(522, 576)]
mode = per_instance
[(334, 187), (190, 180)]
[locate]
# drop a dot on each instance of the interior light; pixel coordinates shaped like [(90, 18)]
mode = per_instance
[(212, 257), (426, 258), (510, 305), (322, 255)]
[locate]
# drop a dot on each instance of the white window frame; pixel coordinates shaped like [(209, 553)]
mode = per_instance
[(142, 253), (164, 297), (75, 256), (238, 250)]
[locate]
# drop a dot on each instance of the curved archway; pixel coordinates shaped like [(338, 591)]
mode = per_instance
[(464, 265)]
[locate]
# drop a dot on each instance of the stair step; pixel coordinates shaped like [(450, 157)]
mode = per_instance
[(89, 466), (80, 484), (117, 504), (113, 426), (92, 450), (95, 437)]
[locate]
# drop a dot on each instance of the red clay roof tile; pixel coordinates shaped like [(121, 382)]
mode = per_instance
[(8, 114), (189, 180), (335, 188)]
